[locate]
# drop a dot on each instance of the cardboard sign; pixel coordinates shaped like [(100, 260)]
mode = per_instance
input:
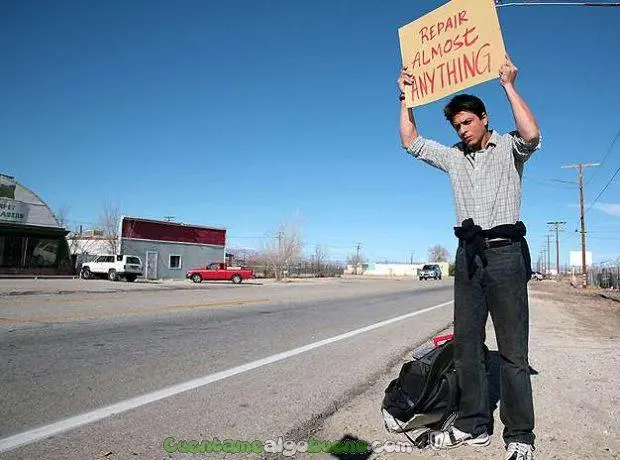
[(451, 48)]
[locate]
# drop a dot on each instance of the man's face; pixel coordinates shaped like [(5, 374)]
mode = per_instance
[(470, 128)]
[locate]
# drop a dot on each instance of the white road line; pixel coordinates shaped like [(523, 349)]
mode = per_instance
[(30, 436)]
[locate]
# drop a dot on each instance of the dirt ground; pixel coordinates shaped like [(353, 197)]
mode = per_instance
[(596, 310), (575, 352)]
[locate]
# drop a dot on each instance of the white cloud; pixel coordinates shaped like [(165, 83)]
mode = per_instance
[(609, 208)]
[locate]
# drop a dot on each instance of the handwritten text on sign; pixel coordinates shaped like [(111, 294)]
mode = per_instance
[(452, 48)]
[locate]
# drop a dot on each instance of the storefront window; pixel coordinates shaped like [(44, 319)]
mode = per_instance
[(11, 250), (41, 252)]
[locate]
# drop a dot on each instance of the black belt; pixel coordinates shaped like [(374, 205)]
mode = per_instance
[(490, 243), (474, 241)]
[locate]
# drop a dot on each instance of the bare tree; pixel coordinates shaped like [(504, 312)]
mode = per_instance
[(62, 215), (320, 256), (356, 260), (283, 248), (438, 253), (109, 222)]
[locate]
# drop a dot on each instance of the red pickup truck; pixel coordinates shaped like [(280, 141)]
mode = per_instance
[(219, 271)]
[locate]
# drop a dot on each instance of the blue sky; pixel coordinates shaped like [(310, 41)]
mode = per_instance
[(247, 114)]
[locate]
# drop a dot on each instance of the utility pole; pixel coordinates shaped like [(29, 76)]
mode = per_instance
[(357, 256), (548, 254), (579, 167), (168, 218), (556, 226)]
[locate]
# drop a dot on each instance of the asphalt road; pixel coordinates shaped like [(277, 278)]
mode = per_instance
[(239, 352)]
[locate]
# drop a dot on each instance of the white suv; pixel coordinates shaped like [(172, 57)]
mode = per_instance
[(114, 267)]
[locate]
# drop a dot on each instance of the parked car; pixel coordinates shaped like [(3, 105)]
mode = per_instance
[(219, 271), (537, 276), (430, 271), (113, 266)]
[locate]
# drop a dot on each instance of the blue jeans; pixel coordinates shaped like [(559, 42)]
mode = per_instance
[(501, 289)]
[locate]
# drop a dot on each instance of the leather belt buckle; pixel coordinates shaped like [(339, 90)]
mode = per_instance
[(496, 242)]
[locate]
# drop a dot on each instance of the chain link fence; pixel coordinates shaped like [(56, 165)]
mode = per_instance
[(604, 276), (302, 269)]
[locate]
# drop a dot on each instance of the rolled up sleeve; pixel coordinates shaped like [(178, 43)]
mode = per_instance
[(523, 149), (431, 152)]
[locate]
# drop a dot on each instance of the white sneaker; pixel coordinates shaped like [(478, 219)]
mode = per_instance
[(453, 437), (519, 451)]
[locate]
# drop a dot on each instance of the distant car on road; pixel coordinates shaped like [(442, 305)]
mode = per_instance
[(537, 276), (113, 266), (219, 271), (430, 271)]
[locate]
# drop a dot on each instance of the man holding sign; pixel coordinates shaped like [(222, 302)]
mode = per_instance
[(492, 260), (454, 47)]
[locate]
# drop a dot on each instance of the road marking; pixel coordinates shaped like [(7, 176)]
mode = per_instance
[(30, 436), (127, 312)]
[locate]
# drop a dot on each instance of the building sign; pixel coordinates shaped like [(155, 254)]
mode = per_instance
[(454, 47), (575, 258), (13, 211)]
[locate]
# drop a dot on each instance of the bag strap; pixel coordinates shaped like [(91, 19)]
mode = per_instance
[(453, 389), (421, 443), (451, 410)]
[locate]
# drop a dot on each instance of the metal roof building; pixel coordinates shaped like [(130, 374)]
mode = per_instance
[(31, 239)]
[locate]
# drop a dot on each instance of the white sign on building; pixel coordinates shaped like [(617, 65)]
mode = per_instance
[(13, 211), (575, 258)]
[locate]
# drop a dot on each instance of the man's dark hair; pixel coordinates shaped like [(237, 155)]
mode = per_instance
[(464, 103)]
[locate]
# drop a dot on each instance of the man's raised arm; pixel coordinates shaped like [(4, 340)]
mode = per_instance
[(408, 129), (524, 119)]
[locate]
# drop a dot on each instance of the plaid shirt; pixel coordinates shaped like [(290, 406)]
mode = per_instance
[(486, 184)]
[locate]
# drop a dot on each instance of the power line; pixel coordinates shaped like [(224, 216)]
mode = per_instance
[(604, 188), (611, 146), (570, 235), (563, 184), (602, 238), (591, 4)]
